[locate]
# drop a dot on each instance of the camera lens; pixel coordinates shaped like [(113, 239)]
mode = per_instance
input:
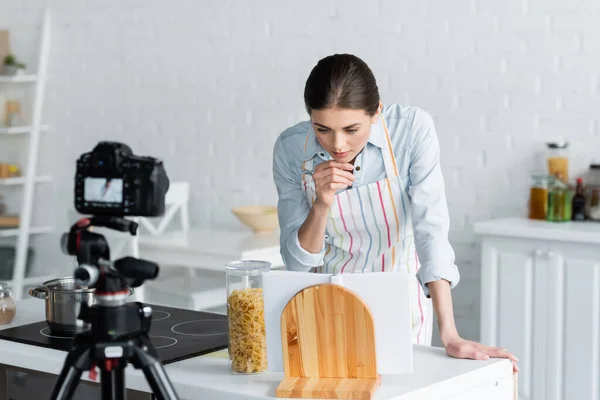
[(86, 275)]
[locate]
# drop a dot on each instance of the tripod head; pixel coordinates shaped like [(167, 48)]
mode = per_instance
[(95, 268)]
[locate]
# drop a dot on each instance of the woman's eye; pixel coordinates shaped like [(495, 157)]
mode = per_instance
[(322, 130), (352, 130)]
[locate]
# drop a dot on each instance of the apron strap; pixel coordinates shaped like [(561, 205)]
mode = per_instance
[(308, 166), (389, 160)]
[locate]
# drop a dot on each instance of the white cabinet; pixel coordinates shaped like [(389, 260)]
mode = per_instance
[(540, 299)]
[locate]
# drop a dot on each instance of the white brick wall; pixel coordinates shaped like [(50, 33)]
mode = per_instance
[(208, 85)]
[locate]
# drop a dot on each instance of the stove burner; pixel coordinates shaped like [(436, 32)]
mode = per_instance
[(160, 342), (46, 332), (158, 315), (208, 327)]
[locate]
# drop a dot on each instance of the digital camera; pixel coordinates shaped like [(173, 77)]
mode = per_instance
[(112, 181)]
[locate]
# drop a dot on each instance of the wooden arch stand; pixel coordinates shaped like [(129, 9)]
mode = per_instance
[(328, 340)]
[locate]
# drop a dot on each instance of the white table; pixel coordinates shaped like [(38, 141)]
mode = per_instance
[(436, 376)]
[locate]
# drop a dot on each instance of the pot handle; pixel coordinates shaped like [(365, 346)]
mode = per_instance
[(39, 292)]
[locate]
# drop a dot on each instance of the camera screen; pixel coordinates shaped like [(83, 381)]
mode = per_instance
[(103, 190)]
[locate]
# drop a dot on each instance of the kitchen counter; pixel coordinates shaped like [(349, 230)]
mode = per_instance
[(572, 231), (436, 376)]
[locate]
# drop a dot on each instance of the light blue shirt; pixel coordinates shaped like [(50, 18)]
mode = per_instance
[(417, 152)]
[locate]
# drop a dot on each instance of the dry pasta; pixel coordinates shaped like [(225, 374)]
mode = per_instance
[(247, 336)]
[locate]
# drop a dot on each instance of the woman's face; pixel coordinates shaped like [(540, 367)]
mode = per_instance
[(342, 132)]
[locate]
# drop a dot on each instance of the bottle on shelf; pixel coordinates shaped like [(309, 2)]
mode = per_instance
[(579, 202)]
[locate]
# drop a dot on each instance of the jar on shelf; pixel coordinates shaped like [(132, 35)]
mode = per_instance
[(558, 160), (594, 177), (592, 204), (245, 313), (538, 197), (560, 198), (8, 309)]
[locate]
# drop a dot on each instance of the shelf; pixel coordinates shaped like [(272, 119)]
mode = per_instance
[(21, 180), (32, 231), (20, 130), (17, 78)]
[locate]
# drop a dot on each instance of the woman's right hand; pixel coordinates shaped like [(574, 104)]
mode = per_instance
[(329, 177)]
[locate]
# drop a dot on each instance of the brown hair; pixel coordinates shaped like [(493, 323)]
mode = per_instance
[(341, 80)]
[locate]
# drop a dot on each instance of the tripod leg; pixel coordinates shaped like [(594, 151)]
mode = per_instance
[(113, 383), (159, 382), (78, 360), (3, 383), (146, 359)]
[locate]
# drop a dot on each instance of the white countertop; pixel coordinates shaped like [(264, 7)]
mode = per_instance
[(572, 231), (436, 375)]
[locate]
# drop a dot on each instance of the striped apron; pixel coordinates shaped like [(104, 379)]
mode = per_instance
[(369, 229)]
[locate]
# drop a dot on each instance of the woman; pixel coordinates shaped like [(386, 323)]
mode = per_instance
[(361, 190)]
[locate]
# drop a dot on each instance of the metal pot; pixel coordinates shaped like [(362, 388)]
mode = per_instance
[(63, 303)]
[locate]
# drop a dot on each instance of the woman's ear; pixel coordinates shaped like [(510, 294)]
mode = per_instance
[(375, 117)]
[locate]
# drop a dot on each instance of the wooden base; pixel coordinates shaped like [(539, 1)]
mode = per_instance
[(328, 388)]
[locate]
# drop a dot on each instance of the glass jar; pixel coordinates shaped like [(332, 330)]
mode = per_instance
[(594, 177), (538, 197), (8, 309), (245, 313), (592, 204), (559, 201), (568, 205), (558, 160)]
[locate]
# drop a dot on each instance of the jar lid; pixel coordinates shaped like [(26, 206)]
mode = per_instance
[(247, 267), (559, 144)]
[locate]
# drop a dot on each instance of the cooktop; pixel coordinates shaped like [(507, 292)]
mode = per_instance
[(177, 334)]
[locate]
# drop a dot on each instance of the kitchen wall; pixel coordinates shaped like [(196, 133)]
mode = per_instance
[(208, 85)]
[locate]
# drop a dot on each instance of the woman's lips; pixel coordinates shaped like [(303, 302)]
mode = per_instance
[(341, 155)]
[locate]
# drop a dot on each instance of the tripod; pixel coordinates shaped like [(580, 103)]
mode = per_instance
[(119, 330)]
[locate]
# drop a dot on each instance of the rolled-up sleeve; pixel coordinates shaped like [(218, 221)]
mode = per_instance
[(292, 209), (429, 208)]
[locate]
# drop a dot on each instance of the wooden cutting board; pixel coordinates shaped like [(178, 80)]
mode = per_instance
[(328, 340), (378, 290)]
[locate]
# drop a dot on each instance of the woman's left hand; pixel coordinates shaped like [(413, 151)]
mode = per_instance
[(458, 347)]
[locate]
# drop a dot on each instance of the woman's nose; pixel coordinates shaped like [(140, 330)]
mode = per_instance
[(338, 142)]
